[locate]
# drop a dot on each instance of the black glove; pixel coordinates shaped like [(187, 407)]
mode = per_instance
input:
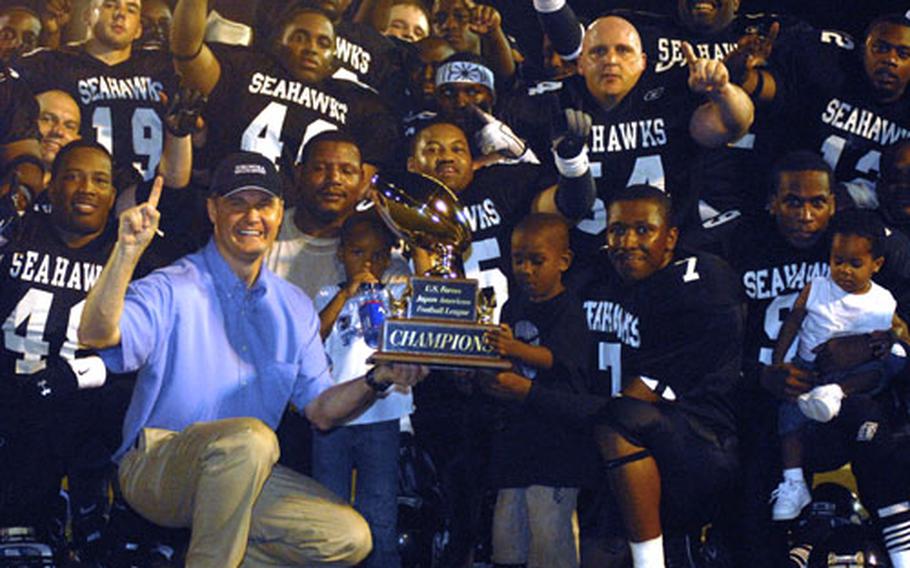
[(570, 141), (184, 112)]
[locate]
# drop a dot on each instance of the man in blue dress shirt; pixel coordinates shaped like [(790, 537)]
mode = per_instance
[(222, 345)]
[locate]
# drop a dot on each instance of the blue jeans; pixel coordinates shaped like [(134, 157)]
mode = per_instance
[(373, 450)]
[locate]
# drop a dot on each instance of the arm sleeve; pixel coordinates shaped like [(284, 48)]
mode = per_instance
[(561, 25), (144, 324), (314, 376), (18, 111)]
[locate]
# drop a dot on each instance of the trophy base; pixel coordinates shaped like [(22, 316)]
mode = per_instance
[(442, 362), (439, 344)]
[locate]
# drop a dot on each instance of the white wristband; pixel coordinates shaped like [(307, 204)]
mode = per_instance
[(90, 371), (548, 6), (572, 167)]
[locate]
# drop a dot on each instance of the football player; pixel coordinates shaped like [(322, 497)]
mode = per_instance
[(274, 102), (669, 326), (646, 130), (118, 88), (848, 97), (775, 258), (59, 415), (715, 31), (21, 167), (20, 31), (495, 198)]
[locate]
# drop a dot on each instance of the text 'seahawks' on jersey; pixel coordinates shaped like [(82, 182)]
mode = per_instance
[(18, 109), (369, 58), (121, 104), (44, 285), (681, 327), (728, 181), (772, 272), (644, 140), (498, 198), (831, 107), (259, 107)]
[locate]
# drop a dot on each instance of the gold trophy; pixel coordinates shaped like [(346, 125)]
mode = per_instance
[(441, 319)]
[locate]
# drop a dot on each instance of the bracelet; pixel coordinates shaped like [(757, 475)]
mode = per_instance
[(370, 380), (195, 54), (572, 167)]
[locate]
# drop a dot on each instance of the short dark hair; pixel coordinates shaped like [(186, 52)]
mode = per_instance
[(64, 152), (859, 223), (894, 19), (552, 225), (643, 192), (800, 161), (371, 219), (336, 136), (269, 24), (412, 142)]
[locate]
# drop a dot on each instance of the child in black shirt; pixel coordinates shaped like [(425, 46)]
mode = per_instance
[(538, 462)]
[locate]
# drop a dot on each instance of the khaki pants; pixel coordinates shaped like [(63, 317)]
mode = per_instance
[(220, 479)]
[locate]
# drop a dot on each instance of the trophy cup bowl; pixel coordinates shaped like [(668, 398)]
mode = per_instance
[(426, 214), (442, 320)]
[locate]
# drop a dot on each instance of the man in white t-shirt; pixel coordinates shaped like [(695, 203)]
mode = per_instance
[(329, 182)]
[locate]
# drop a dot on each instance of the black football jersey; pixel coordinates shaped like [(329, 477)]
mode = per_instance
[(682, 327), (643, 140), (729, 181), (120, 104), (259, 107), (44, 285), (369, 58), (498, 198), (772, 272), (18, 109), (831, 108)]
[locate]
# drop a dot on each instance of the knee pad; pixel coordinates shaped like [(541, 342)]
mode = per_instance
[(633, 457)]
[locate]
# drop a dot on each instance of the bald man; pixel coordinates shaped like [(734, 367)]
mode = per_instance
[(646, 130), (59, 120)]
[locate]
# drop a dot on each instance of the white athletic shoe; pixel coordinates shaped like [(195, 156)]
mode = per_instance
[(789, 499), (821, 403)]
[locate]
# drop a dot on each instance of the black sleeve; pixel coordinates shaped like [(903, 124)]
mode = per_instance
[(693, 335), (895, 273), (561, 25), (803, 59), (235, 61), (18, 111), (377, 130), (575, 408), (38, 69)]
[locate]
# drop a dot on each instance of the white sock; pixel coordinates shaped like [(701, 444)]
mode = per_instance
[(794, 474), (649, 553)]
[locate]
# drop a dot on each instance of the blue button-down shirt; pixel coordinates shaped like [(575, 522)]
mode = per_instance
[(207, 347)]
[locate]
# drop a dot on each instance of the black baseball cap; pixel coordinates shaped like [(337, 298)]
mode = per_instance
[(246, 170)]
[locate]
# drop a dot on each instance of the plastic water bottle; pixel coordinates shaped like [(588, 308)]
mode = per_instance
[(372, 312)]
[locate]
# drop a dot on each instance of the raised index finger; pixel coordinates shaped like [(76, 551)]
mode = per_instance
[(155, 194), (773, 31), (689, 53), (486, 117)]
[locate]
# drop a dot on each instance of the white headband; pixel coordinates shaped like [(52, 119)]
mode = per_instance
[(465, 72)]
